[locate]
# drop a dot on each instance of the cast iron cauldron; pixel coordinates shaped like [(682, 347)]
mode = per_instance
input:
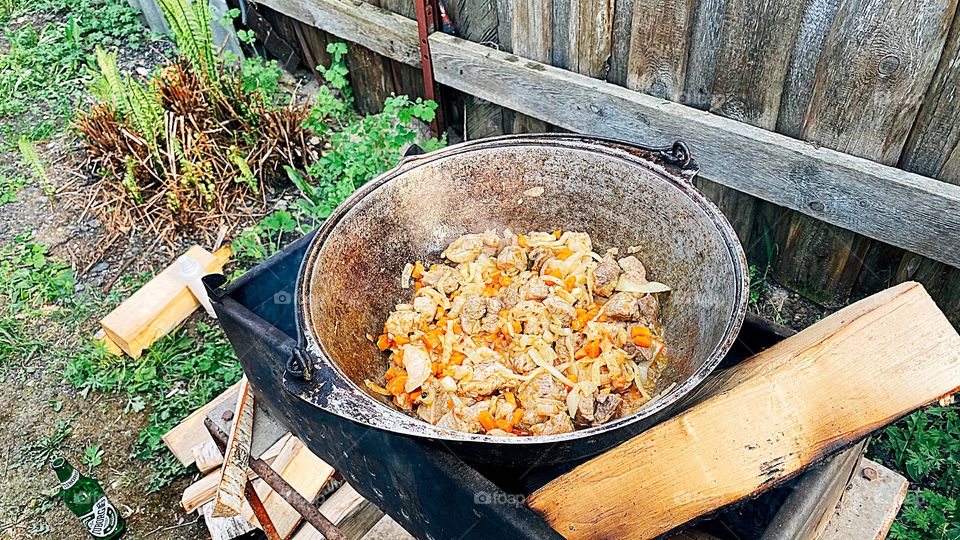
[(621, 194)]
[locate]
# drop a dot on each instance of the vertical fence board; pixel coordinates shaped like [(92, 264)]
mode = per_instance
[(620, 48), (706, 23), (407, 80), (478, 21), (933, 149), (878, 59), (561, 33), (590, 36), (658, 47), (532, 36)]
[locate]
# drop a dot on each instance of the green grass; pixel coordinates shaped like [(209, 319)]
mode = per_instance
[(925, 447)]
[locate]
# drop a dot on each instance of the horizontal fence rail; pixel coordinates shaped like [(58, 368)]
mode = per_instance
[(904, 209)]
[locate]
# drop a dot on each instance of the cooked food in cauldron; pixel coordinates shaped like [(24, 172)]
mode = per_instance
[(530, 334)]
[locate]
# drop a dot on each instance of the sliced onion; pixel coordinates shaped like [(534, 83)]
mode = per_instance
[(626, 284), (405, 276)]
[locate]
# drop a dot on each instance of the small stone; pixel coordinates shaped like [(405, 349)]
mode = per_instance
[(227, 415), (101, 267), (870, 473), (142, 71)]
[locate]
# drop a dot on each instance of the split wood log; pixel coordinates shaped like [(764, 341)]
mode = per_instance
[(765, 420), (207, 456), (190, 433), (204, 490), (233, 473), (344, 504), (305, 472), (224, 528), (159, 306)]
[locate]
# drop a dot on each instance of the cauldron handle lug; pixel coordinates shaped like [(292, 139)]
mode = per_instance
[(300, 364)]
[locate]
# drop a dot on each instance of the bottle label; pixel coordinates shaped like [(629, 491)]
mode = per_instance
[(74, 476), (102, 520)]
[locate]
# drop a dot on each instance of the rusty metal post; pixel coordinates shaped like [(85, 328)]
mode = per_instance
[(284, 489), (428, 21)]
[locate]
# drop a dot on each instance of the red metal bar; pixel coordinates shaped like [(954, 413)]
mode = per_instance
[(428, 21)]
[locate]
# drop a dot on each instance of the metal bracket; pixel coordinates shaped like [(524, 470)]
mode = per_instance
[(428, 21)]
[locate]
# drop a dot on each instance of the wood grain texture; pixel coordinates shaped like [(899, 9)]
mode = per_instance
[(590, 37), (873, 199), (340, 507), (877, 62), (191, 433), (478, 21), (706, 22), (235, 468), (532, 35), (658, 47), (221, 528), (620, 46), (807, 397)]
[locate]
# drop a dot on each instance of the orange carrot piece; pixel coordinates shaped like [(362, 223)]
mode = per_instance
[(511, 399), (417, 270), (383, 342), (522, 241), (395, 386), (457, 357), (486, 420), (555, 272), (517, 416), (505, 281), (392, 373), (593, 349), (642, 341), (570, 283), (505, 425), (401, 340)]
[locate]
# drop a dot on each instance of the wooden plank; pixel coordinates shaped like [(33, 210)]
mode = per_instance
[(620, 48), (159, 306), (205, 489), (590, 37), (765, 419), (305, 472), (658, 47), (904, 209), (706, 22), (810, 504), (235, 468), (869, 505), (207, 456), (877, 62), (532, 38), (879, 201), (190, 433), (224, 528), (343, 504)]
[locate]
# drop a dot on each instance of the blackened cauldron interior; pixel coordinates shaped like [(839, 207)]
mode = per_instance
[(355, 281)]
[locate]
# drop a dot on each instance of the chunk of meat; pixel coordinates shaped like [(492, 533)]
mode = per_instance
[(401, 322), (416, 360), (435, 406), (633, 269), (607, 407), (532, 315), (486, 379), (425, 306), (582, 396), (623, 306), (535, 289), (441, 277), (605, 275), (469, 416), (511, 294), (649, 309), (469, 246), (543, 386), (450, 421), (538, 256), (474, 308), (558, 423), (491, 321), (512, 259), (577, 241), (560, 309)]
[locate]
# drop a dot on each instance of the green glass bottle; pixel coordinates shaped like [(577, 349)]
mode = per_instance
[(85, 498)]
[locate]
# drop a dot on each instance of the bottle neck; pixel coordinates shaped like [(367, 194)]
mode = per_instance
[(67, 475)]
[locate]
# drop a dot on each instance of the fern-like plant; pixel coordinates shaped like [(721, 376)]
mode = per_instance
[(190, 24), (135, 102)]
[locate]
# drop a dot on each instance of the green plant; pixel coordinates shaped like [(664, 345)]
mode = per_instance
[(927, 515), (757, 283), (29, 278), (190, 24), (40, 451), (9, 186), (92, 457)]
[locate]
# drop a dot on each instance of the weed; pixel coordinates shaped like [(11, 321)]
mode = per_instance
[(9, 186), (40, 451), (29, 279), (92, 457), (757, 283)]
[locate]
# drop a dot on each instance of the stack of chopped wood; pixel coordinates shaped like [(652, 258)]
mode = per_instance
[(219, 496)]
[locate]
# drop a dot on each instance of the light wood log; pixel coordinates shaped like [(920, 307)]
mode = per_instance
[(765, 420), (190, 433), (221, 528), (344, 503), (236, 459), (207, 456), (305, 472), (159, 306), (885, 203), (205, 489)]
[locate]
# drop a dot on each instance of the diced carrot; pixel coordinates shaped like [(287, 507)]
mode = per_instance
[(417, 286), (522, 241), (395, 385), (392, 372), (570, 283), (511, 399), (555, 272), (602, 318), (450, 403), (397, 357), (517, 327), (580, 354), (486, 420), (437, 368), (593, 349), (489, 291), (557, 233), (401, 340), (517, 416), (439, 315), (417, 270), (640, 331), (564, 253), (383, 342), (457, 358), (432, 339), (505, 281), (457, 328), (505, 425), (572, 375), (642, 341)]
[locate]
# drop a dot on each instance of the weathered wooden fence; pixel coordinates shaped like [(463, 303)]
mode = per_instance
[(831, 137)]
